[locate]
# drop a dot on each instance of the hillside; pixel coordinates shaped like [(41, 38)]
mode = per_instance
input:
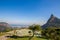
[(52, 22), (4, 26)]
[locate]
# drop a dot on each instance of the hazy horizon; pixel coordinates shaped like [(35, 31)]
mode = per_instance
[(28, 11)]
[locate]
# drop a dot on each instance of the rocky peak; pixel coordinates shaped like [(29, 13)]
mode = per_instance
[(52, 21)]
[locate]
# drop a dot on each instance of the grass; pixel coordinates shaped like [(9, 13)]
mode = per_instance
[(34, 38), (18, 39), (3, 33)]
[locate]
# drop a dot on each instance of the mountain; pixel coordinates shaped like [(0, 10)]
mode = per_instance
[(52, 22), (4, 26)]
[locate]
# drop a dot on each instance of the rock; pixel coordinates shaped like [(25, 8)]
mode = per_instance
[(52, 22)]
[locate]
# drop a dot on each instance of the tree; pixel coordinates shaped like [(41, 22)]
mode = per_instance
[(51, 33), (34, 28)]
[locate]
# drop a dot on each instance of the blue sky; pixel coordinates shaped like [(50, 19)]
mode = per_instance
[(28, 11)]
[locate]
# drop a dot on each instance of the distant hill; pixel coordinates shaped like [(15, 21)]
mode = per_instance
[(4, 26), (19, 25), (52, 22)]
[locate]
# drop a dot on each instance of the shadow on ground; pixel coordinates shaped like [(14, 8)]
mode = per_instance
[(17, 36)]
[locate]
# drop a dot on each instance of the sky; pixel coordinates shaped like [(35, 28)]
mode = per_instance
[(28, 11)]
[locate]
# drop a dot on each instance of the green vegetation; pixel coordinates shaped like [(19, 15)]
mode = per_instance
[(34, 28), (34, 38), (17, 39), (3, 33), (8, 29), (51, 33)]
